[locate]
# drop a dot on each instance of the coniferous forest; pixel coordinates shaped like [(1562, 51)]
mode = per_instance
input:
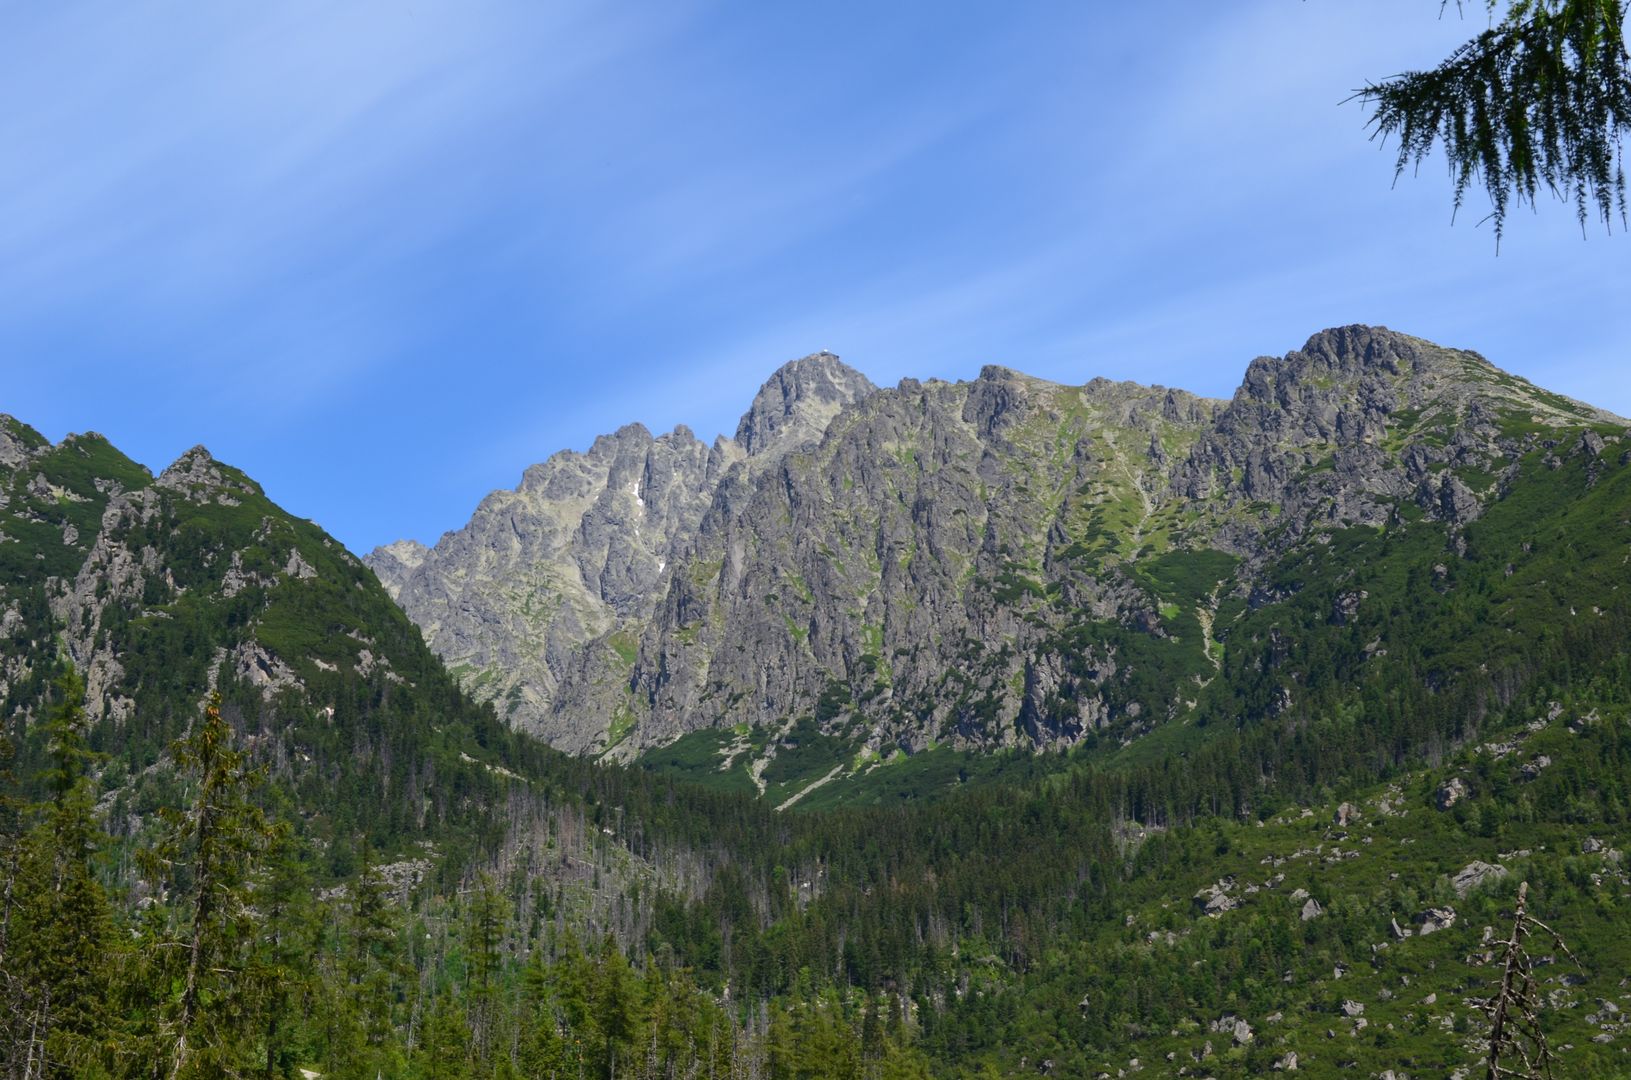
[(981, 722), (253, 826)]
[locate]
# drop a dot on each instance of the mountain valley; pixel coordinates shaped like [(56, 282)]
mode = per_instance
[(992, 728)]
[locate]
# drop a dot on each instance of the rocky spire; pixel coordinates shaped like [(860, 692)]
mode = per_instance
[(795, 405)]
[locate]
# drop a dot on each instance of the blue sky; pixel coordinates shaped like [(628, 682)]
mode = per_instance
[(384, 256)]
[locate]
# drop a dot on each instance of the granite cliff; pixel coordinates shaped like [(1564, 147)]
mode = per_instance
[(579, 551), (995, 563)]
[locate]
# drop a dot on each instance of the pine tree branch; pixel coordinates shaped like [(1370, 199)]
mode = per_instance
[(1541, 101)]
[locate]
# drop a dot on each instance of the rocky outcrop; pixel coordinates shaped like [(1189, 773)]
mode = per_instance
[(1319, 436), (1449, 793), (890, 580), (1435, 919), (1475, 875), (966, 563), (18, 442), (793, 408), (394, 563), (545, 580)]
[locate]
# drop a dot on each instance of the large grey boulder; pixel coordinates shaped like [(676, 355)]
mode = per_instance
[(1435, 919), (1449, 793), (1475, 875)]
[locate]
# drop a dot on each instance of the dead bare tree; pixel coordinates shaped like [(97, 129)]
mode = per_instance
[(1515, 1032)]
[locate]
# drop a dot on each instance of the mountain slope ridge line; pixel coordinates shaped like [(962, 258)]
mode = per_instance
[(915, 566)]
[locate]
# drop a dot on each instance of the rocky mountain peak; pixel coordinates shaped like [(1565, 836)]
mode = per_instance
[(629, 434), (1376, 371), (18, 441), (998, 373), (1358, 349), (198, 474), (652, 586), (392, 563), (795, 405), (198, 471)]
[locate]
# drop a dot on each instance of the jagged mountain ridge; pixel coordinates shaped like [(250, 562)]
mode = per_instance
[(577, 552), (1010, 561), (193, 572), (162, 589)]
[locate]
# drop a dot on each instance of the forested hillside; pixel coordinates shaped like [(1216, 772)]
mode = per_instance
[(252, 826)]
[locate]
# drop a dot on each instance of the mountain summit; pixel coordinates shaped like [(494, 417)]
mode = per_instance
[(994, 563), (579, 551), (1340, 660), (795, 405)]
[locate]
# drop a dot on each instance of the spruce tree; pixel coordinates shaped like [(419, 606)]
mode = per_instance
[(280, 967), (61, 925), (210, 853), (484, 940), (374, 968)]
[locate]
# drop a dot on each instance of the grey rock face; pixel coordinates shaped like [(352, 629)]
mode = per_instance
[(15, 449), (792, 410), (1316, 435), (1214, 901), (560, 560), (1474, 876), (962, 563), (895, 570), (1450, 792), (545, 579), (395, 562), (1435, 919)]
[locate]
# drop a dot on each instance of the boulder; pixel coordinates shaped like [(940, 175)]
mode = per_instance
[(1435, 919), (1312, 910), (1351, 1008), (1347, 606), (1530, 770), (1449, 793), (1346, 815), (1475, 875), (1214, 900)]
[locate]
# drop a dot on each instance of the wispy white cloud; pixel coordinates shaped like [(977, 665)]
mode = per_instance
[(237, 162), (460, 236)]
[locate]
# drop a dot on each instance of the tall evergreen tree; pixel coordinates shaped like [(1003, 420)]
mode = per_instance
[(210, 853), (615, 1007), (280, 967), (486, 921), (61, 925), (374, 968)]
